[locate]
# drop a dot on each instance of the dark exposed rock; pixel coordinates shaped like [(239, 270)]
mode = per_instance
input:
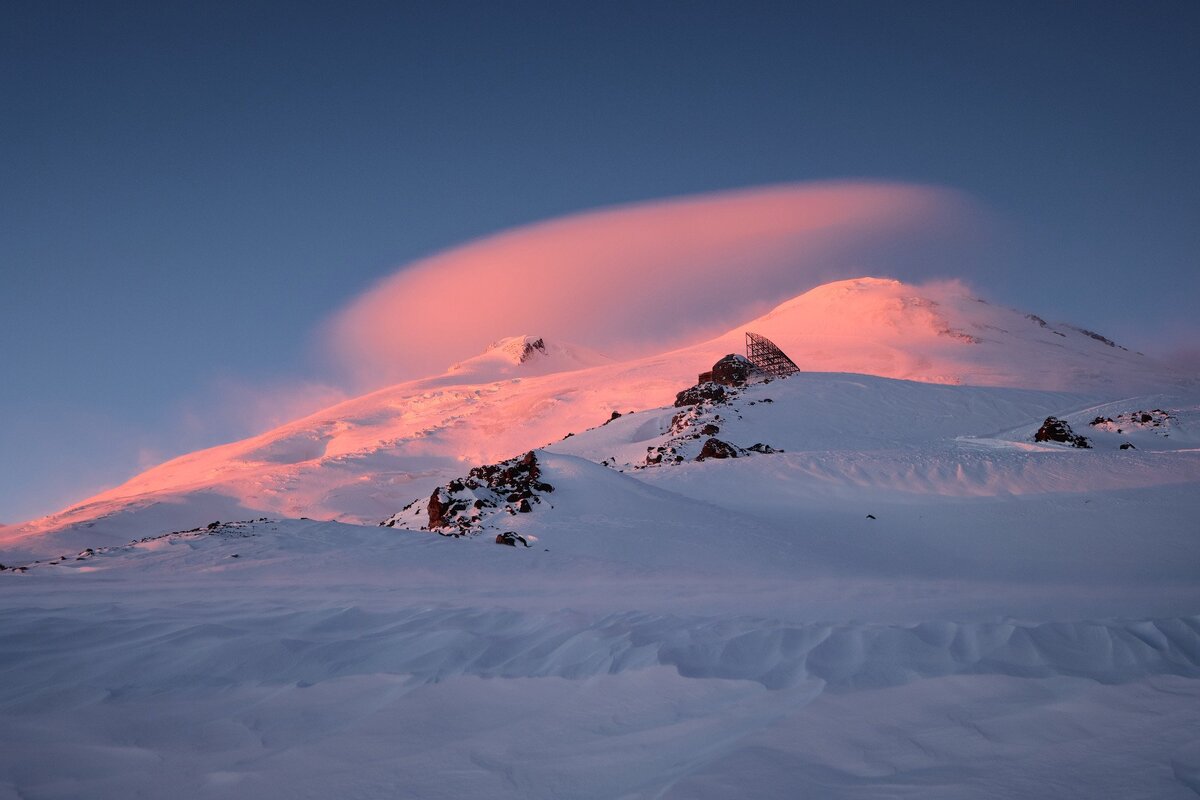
[(715, 448), (511, 538), (1097, 337), (1056, 430), (1127, 446), (710, 430), (732, 370), (460, 507), (1156, 419), (439, 508), (701, 393), (765, 449), (615, 415), (214, 525)]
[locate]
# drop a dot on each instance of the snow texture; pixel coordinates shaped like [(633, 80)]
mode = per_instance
[(889, 589)]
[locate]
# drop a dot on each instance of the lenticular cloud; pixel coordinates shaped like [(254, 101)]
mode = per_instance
[(633, 279)]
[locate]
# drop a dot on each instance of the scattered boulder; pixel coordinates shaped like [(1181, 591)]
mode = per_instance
[(1127, 446), (1057, 430), (710, 430), (765, 449), (511, 538), (1156, 420), (715, 448), (615, 415)]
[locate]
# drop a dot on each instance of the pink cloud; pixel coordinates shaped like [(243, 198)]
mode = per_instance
[(636, 278), (232, 408)]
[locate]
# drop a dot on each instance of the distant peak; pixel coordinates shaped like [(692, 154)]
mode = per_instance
[(518, 349), (525, 356)]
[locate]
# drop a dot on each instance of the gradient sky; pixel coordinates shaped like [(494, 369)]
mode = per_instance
[(189, 190)]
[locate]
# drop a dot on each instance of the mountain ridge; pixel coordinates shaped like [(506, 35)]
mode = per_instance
[(352, 460)]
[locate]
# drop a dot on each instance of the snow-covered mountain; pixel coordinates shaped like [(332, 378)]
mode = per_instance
[(355, 460), (955, 556), (524, 357)]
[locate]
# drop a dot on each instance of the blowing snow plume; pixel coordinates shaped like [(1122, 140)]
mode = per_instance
[(643, 277)]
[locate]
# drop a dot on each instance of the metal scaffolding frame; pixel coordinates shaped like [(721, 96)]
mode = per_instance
[(764, 355)]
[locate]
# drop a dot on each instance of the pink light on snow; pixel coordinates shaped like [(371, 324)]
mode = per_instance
[(631, 279)]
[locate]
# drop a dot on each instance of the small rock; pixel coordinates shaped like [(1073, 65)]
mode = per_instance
[(715, 448), (1056, 430)]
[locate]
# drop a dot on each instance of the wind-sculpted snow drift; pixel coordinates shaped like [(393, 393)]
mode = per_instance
[(867, 582)]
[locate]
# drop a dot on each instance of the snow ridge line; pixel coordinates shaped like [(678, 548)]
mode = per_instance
[(433, 644)]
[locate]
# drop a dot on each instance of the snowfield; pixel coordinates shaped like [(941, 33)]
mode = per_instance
[(891, 591)]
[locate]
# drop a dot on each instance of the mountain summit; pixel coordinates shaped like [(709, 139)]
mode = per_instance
[(523, 356), (354, 460)]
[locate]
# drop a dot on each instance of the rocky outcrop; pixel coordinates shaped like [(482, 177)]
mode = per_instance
[(732, 370), (715, 448), (700, 417), (529, 348), (1155, 420), (462, 506), (441, 509), (1057, 430), (708, 392)]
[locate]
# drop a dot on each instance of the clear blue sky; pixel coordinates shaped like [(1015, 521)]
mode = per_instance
[(186, 189)]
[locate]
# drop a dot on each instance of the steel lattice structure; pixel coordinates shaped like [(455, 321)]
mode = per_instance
[(764, 355)]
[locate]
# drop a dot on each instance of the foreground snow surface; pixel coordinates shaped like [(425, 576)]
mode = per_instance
[(647, 645), (892, 592)]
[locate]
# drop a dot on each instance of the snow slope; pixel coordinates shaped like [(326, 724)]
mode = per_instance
[(355, 460), (902, 596), (647, 645)]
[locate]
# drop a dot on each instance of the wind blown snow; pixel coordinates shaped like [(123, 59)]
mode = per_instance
[(884, 588)]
